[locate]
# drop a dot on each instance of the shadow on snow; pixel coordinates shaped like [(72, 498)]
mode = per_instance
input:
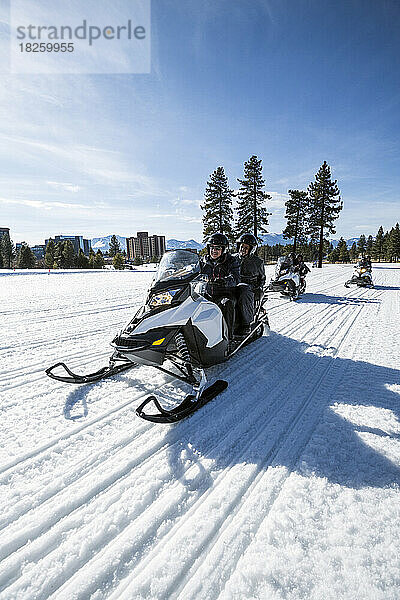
[(288, 404)]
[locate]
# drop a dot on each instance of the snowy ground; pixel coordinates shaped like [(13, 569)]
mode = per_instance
[(284, 487)]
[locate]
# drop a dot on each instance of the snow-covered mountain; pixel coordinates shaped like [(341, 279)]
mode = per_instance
[(177, 244), (103, 243)]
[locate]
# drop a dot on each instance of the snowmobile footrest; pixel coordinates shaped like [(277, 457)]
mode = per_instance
[(102, 373), (186, 408)]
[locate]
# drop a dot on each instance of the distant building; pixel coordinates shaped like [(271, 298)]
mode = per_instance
[(39, 251), (78, 242), (144, 246), (4, 231)]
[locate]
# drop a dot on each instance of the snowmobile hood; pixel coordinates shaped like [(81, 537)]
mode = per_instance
[(205, 315)]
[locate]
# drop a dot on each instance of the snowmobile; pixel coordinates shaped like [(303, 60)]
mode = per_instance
[(362, 276), (286, 280), (178, 326)]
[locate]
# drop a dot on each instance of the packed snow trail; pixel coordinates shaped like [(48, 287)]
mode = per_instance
[(285, 486)]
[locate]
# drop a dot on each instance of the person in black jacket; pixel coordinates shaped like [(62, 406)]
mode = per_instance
[(252, 270), (223, 272), (301, 268)]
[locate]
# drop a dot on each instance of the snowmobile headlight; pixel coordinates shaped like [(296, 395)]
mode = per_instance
[(162, 299), (363, 270)]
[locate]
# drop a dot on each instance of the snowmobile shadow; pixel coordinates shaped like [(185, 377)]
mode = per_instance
[(294, 405), (324, 299)]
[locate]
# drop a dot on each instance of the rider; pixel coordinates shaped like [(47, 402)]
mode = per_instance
[(223, 272), (252, 270), (301, 268)]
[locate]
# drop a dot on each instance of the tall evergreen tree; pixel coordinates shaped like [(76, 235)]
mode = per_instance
[(7, 250), (118, 261), (92, 257), (344, 255), (26, 258), (1, 258), (394, 244), (324, 207), (353, 251), (68, 255), (82, 261), (369, 245), (217, 207), (361, 244), (296, 216), (385, 244), (49, 256), (58, 255), (114, 247), (378, 249), (98, 260), (252, 213)]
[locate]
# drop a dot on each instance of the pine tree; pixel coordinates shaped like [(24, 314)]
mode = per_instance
[(324, 207), (82, 261), (7, 250), (361, 244), (118, 261), (369, 245), (58, 255), (353, 251), (385, 244), (26, 258), (49, 256), (394, 244), (114, 247), (92, 257), (296, 215), (1, 258), (252, 213), (99, 260), (68, 255), (377, 249), (217, 207), (334, 255), (343, 251)]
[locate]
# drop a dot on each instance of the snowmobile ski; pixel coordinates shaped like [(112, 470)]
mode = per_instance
[(189, 405), (102, 373)]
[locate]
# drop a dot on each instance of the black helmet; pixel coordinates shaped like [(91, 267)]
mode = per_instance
[(299, 258), (249, 239), (218, 239)]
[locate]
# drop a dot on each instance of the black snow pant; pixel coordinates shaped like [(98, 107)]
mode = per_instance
[(227, 302), (244, 305)]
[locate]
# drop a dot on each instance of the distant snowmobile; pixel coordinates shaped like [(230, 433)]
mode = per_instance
[(177, 324), (286, 280), (362, 276)]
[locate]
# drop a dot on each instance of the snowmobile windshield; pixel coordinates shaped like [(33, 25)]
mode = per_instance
[(282, 266), (178, 264)]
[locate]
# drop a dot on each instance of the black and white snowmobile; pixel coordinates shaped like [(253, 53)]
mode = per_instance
[(362, 276), (177, 331), (286, 280)]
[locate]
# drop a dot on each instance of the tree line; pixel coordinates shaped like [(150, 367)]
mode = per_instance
[(385, 246), (310, 214), (57, 256)]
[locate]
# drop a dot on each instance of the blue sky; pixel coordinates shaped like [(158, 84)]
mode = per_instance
[(295, 82)]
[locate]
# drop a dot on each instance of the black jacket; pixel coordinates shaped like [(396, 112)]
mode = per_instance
[(251, 270), (302, 269), (223, 273)]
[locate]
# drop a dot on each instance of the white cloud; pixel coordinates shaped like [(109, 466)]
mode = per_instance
[(68, 187)]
